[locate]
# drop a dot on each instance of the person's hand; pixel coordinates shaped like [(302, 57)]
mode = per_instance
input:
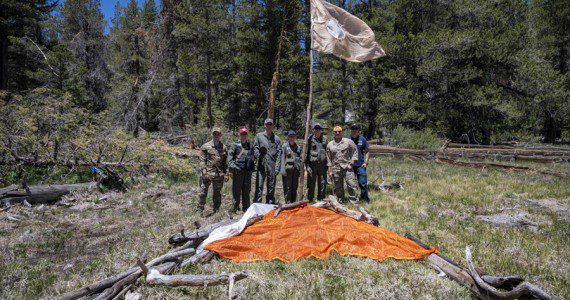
[(226, 177), (364, 165), (330, 173)]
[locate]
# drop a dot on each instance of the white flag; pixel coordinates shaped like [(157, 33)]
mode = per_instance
[(337, 32)]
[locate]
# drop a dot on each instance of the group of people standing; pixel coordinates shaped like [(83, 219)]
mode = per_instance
[(341, 159)]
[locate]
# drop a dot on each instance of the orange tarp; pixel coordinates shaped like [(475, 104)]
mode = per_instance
[(309, 231)]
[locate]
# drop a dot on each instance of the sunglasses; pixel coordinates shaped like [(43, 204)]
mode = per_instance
[(217, 133), (270, 124), (337, 131)]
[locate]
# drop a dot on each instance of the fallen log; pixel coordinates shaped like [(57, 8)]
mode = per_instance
[(289, 206), (40, 194), (475, 283), (498, 166), (201, 257), (156, 278), (461, 153), (199, 234), (521, 290), (333, 204)]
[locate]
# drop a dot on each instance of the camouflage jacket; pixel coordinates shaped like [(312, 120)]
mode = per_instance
[(341, 155), (213, 159)]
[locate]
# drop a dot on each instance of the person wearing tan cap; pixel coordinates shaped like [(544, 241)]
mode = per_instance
[(213, 169), (341, 155)]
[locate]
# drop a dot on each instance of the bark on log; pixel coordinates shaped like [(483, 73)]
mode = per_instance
[(506, 283), (111, 281), (119, 286), (199, 234), (523, 289), (40, 193), (202, 257), (156, 278), (289, 206), (333, 204)]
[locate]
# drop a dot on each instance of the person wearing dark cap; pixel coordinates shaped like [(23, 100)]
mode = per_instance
[(213, 170), (267, 148), (360, 165), (316, 164), (289, 165), (241, 163)]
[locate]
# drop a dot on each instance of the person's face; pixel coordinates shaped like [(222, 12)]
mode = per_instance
[(318, 132), (337, 134), (354, 132), (292, 138), (217, 136), (243, 137), (269, 127)]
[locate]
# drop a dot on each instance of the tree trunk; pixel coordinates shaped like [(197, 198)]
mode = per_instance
[(209, 90), (551, 130), (3, 63)]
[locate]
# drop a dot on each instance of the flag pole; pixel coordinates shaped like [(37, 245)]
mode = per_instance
[(301, 190)]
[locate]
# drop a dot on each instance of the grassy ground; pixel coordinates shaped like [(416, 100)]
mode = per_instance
[(55, 249)]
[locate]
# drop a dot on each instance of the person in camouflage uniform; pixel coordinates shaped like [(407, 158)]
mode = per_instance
[(240, 161), (316, 164), (341, 155), (289, 165), (267, 148), (213, 168)]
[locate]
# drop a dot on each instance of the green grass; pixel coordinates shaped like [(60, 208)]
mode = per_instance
[(439, 204)]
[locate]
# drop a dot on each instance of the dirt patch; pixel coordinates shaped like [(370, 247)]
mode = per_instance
[(515, 218), (552, 205)]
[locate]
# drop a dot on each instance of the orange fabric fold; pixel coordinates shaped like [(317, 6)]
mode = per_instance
[(309, 231)]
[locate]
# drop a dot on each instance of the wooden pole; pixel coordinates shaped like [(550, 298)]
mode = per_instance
[(275, 78), (301, 191)]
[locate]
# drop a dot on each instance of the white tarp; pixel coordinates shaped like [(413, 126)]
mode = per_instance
[(256, 209), (337, 32)]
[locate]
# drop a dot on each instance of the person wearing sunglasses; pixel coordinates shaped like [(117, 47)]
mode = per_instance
[(341, 155)]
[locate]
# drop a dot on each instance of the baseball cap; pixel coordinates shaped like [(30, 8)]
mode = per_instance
[(318, 126), (354, 126), (291, 132), (216, 129), (243, 130), (337, 128), (268, 120)]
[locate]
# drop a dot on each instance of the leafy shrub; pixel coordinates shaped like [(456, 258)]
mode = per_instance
[(413, 139)]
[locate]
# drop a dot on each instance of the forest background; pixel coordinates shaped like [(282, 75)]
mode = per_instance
[(465, 70)]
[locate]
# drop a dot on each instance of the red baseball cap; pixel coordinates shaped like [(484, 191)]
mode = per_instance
[(243, 130)]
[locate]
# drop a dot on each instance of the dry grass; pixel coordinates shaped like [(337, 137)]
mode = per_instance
[(56, 249)]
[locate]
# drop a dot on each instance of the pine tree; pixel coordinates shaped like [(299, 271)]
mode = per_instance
[(83, 28)]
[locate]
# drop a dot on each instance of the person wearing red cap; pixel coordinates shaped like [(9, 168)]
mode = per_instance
[(241, 163)]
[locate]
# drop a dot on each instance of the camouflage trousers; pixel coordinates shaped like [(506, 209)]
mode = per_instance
[(339, 177), (217, 184)]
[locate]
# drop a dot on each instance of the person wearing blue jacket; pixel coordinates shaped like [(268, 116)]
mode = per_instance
[(359, 167)]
